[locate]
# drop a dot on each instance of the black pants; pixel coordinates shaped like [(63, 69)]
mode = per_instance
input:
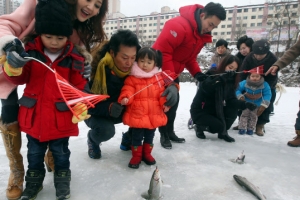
[(171, 115), (102, 129), (140, 134), (10, 108), (265, 116), (214, 124)]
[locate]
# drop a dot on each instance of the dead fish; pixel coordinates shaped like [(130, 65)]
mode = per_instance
[(242, 181), (155, 188), (240, 159)]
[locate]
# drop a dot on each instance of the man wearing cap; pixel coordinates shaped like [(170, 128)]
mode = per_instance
[(261, 55)]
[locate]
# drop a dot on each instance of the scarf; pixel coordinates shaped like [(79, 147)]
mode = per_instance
[(99, 85), (139, 73), (254, 85)]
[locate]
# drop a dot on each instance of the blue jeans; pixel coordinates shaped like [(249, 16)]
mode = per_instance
[(37, 150)]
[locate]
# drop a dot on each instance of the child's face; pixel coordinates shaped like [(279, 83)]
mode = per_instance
[(231, 67), (53, 43), (254, 77), (221, 49), (85, 9), (146, 64)]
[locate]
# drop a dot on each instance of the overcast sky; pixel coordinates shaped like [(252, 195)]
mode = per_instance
[(145, 7)]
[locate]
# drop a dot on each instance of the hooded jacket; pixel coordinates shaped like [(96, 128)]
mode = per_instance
[(43, 113), (19, 24), (180, 41), (145, 106)]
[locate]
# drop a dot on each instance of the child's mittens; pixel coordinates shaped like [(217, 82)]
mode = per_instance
[(124, 101), (2, 59), (81, 111), (11, 71)]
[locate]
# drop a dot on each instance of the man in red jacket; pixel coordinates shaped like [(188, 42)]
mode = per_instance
[(180, 41)]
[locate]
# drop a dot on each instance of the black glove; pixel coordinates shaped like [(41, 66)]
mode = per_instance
[(172, 95), (15, 54), (250, 106), (227, 75), (115, 109), (87, 70), (200, 76)]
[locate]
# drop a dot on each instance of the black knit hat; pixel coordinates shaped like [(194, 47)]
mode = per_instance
[(52, 17), (261, 47)]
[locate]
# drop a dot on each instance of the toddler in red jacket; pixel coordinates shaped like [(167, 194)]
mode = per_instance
[(145, 110), (43, 114)]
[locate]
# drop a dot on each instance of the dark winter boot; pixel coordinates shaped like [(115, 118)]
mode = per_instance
[(62, 180), (136, 157), (226, 137), (200, 131), (165, 141), (259, 129), (126, 141), (94, 149), (235, 128), (296, 141), (34, 184), (173, 137), (147, 157)]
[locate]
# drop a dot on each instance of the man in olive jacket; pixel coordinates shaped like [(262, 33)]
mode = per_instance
[(289, 56)]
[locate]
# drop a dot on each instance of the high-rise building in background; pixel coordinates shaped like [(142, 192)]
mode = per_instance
[(114, 9), (273, 21), (8, 6), (113, 6)]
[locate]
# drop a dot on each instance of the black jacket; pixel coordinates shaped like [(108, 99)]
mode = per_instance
[(114, 85), (204, 103), (250, 62)]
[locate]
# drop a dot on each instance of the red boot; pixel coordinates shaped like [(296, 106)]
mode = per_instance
[(136, 157), (147, 157)]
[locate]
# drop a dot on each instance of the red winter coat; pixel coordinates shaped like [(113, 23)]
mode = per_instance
[(145, 109), (43, 113), (180, 42)]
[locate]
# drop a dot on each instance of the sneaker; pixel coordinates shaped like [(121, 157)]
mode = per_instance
[(190, 124), (249, 132), (94, 149), (242, 131)]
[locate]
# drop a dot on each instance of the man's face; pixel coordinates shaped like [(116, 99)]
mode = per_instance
[(209, 23), (259, 57), (125, 58)]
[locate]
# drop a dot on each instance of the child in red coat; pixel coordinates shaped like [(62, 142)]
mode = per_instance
[(142, 95), (43, 114)]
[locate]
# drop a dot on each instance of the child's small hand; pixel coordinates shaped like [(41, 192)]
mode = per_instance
[(166, 108), (124, 101)]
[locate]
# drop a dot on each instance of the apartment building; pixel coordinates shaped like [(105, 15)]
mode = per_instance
[(8, 6), (257, 21)]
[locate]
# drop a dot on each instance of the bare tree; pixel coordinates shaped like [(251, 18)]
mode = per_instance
[(282, 19), (240, 29)]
